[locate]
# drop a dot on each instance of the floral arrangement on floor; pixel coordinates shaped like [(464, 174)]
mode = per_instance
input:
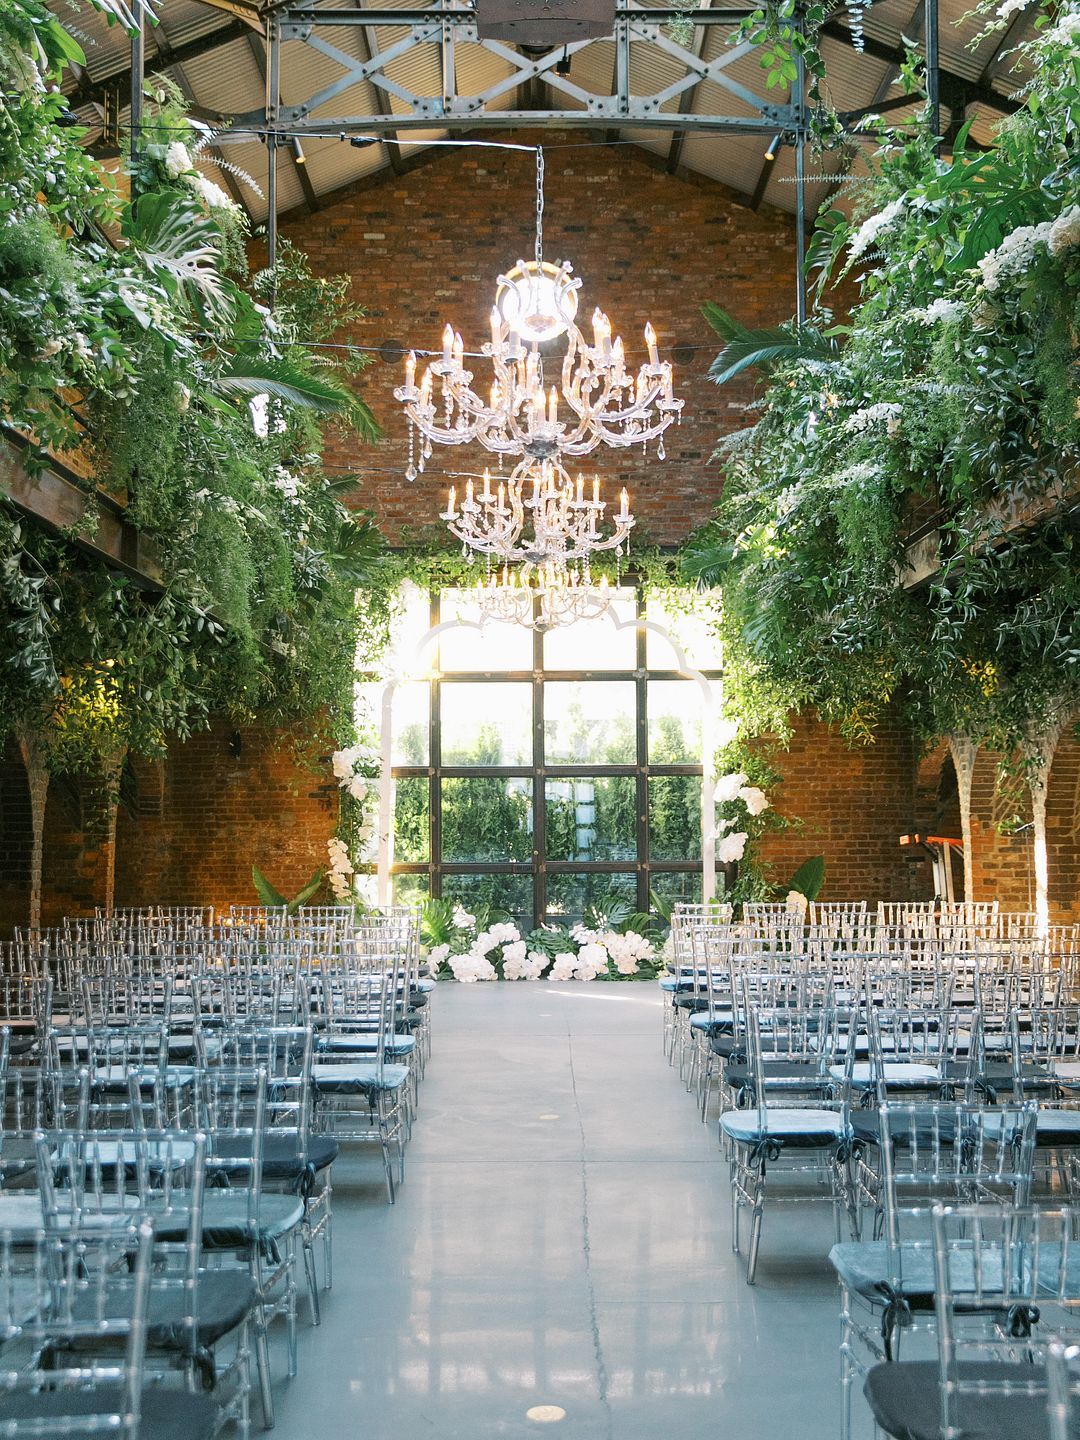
[(489, 946)]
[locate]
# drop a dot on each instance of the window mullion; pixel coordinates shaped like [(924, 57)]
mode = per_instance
[(539, 785), (642, 735)]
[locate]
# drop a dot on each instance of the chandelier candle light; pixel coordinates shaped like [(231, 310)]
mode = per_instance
[(539, 516)]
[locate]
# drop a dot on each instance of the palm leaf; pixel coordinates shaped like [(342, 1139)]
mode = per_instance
[(249, 375), (436, 922), (748, 349), (610, 911), (304, 894), (358, 550), (662, 907), (267, 894), (707, 555), (809, 877)]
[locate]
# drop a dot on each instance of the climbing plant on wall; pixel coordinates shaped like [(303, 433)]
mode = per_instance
[(900, 525)]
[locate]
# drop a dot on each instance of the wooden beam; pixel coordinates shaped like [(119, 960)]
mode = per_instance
[(678, 137), (762, 182), (1003, 521), (62, 506), (393, 150)]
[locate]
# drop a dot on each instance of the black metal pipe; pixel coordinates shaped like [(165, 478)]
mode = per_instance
[(933, 78), (138, 65)]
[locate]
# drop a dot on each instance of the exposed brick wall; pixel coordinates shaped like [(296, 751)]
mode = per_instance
[(203, 818), (15, 836), (1063, 831), (853, 805), (1003, 867), (218, 813), (425, 249)]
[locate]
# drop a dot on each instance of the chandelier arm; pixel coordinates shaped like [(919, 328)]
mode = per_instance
[(441, 436), (644, 405)]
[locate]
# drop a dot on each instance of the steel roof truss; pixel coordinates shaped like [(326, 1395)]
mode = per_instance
[(448, 29)]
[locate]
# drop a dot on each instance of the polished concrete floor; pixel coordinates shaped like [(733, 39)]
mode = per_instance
[(562, 1239)]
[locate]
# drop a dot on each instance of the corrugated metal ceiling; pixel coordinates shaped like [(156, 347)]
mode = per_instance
[(227, 79)]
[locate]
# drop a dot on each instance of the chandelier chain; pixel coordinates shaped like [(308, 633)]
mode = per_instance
[(539, 206)]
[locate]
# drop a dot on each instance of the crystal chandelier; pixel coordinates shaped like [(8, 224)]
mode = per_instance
[(597, 400), (541, 597), (538, 516)]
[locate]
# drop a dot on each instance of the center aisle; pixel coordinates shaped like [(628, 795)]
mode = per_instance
[(562, 1239)]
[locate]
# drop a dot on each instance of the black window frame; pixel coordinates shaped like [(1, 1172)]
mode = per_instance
[(539, 868)]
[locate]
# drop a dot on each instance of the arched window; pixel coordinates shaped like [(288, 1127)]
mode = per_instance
[(543, 772)]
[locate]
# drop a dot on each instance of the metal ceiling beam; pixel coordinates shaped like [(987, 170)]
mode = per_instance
[(92, 90), (645, 14), (258, 54), (778, 117), (954, 90), (446, 29), (678, 137)]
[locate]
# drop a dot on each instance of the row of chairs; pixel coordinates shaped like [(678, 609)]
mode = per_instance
[(928, 1096), (211, 1096)]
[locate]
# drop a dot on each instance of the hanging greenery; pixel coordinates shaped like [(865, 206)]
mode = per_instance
[(132, 336), (900, 525)]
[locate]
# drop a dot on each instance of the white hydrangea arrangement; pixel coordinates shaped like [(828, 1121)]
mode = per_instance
[(179, 165), (486, 949)]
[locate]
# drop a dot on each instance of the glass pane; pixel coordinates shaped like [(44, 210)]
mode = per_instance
[(678, 885), (486, 724), (410, 889), (688, 617), (674, 722), (596, 644), (592, 819), (568, 895), (674, 817), (411, 807), (409, 745), (485, 818), (495, 647), (589, 722), (410, 622), (512, 893)]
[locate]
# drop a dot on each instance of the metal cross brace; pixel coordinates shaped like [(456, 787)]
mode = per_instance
[(447, 28)]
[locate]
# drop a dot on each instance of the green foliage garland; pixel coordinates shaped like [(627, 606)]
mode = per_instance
[(130, 337), (949, 413)]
